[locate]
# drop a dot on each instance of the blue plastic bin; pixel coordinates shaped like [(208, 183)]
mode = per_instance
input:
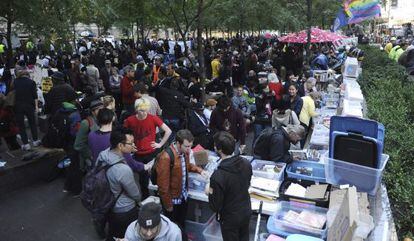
[(318, 171), (364, 127), (365, 179), (276, 224)]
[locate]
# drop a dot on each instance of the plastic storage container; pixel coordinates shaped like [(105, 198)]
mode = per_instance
[(351, 68), (212, 232), (196, 182), (195, 230), (198, 215), (278, 174), (363, 127), (361, 150), (365, 179), (278, 226), (316, 175), (320, 202)]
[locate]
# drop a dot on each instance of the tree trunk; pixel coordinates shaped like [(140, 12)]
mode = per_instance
[(138, 31), (9, 54), (309, 18), (200, 49), (142, 32), (74, 38)]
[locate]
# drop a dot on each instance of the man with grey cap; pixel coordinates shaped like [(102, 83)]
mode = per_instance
[(152, 225), (279, 140)]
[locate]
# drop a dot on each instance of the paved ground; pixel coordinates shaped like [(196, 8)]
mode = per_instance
[(43, 212)]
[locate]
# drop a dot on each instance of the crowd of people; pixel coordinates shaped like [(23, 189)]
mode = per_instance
[(402, 51), (124, 107)]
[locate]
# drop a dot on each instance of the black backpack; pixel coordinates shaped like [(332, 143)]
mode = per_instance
[(96, 195), (153, 174), (261, 145), (59, 133)]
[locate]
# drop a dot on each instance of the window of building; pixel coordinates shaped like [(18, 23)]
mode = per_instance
[(394, 3)]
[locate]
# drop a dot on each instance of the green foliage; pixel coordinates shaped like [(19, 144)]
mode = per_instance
[(390, 101)]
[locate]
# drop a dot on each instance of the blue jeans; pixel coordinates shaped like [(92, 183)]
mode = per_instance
[(175, 125)]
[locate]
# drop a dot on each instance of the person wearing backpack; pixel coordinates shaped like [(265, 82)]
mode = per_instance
[(121, 183), (172, 177), (279, 139), (81, 142), (99, 140), (228, 193), (60, 92), (8, 125)]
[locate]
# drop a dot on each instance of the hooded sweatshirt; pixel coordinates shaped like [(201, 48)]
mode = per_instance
[(230, 196), (120, 178), (169, 231)]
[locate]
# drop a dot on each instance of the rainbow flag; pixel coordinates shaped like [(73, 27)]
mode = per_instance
[(355, 11)]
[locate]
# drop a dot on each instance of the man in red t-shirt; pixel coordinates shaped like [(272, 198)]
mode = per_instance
[(144, 126)]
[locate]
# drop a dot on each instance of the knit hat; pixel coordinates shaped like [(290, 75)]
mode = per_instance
[(140, 59), (59, 76), (150, 215)]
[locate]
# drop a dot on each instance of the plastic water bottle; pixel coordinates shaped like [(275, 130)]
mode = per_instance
[(64, 163)]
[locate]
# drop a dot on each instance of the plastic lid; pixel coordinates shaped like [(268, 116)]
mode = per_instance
[(300, 237)]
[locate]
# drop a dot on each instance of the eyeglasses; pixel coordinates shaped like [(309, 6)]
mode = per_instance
[(128, 143)]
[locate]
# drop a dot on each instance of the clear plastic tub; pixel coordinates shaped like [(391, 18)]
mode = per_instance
[(196, 182), (276, 174), (277, 225), (365, 179), (212, 232), (297, 169), (195, 230)]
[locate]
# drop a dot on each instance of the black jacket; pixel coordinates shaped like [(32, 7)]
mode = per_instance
[(279, 142), (230, 196), (26, 92), (172, 103), (195, 125), (58, 94), (104, 74)]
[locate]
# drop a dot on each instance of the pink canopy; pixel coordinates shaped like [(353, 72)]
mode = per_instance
[(317, 36)]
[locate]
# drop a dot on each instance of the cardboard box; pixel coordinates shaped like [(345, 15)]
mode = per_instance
[(344, 224), (201, 157)]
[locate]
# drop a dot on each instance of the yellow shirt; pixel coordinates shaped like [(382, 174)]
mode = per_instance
[(1, 48), (308, 110), (393, 51), (215, 66), (388, 47)]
